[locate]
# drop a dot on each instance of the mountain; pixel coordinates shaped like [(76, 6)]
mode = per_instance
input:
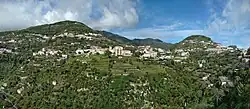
[(196, 41), (80, 28), (198, 38), (157, 43), (59, 28), (116, 37)]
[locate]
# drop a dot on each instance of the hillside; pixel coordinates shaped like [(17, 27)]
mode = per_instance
[(198, 38), (59, 28), (196, 41), (69, 65), (153, 42), (138, 42), (80, 28), (116, 37)]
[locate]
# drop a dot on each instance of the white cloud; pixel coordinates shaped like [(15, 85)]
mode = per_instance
[(117, 13), (234, 17), (16, 14), (230, 22)]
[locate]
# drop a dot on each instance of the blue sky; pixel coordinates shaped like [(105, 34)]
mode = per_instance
[(173, 20), (225, 21)]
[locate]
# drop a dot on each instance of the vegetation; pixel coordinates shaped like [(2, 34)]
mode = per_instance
[(111, 82), (59, 28), (153, 42), (198, 38)]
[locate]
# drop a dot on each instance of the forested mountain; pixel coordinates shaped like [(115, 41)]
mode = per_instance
[(138, 42), (69, 65)]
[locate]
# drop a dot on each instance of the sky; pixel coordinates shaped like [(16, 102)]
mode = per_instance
[(225, 21)]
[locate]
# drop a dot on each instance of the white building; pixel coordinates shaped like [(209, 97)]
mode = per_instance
[(79, 52), (184, 53), (127, 53), (118, 50), (2, 50), (160, 50), (179, 50), (150, 54), (12, 41)]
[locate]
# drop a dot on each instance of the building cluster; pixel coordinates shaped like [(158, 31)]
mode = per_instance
[(91, 50), (5, 50), (87, 36), (147, 51), (47, 52), (197, 42), (120, 51), (116, 51), (219, 49)]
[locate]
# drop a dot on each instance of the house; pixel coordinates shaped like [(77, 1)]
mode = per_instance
[(179, 50), (149, 54), (177, 60), (92, 34), (12, 41), (160, 50), (64, 56), (184, 53), (79, 52), (2, 50), (127, 53), (80, 36), (118, 50), (166, 57)]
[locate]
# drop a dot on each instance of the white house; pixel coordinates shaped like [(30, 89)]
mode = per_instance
[(184, 53), (127, 53), (79, 52), (149, 54), (118, 50)]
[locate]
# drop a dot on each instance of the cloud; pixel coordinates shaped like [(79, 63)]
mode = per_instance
[(117, 13), (16, 14), (229, 21), (234, 17)]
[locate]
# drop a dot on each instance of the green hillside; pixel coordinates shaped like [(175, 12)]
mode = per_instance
[(39, 68), (59, 28), (198, 38)]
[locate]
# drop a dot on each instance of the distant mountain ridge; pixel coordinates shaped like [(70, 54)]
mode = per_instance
[(80, 28), (157, 43)]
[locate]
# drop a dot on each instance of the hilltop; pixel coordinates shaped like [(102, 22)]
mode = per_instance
[(59, 28), (198, 38)]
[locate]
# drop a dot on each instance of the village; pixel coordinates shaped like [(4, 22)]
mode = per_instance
[(145, 52)]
